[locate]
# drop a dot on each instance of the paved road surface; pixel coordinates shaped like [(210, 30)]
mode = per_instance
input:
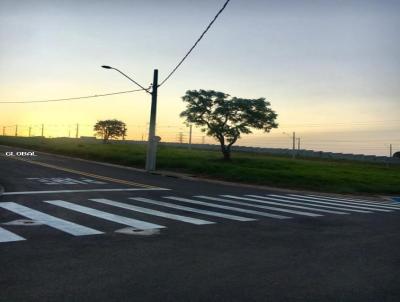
[(72, 230)]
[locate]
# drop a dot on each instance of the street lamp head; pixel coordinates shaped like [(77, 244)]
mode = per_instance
[(106, 67)]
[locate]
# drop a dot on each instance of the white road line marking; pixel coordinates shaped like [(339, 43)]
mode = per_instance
[(7, 236), (78, 191), (354, 199), (288, 199), (54, 222), (194, 210), (314, 207), (142, 225), (65, 181), (305, 199), (192, 201), (82, 173), (152, 212), (269, 202), (360, 202), (352, 204), (276, 209)]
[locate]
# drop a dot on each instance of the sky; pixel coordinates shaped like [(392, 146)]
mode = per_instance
[(330, 69)]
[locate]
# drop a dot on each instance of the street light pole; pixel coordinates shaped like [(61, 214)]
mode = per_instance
[(77, 131), (294, 145), (152, 143), (152, 139), (190, 137)]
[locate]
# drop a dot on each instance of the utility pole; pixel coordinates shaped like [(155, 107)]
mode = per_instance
[(391, 150), (180, 137), (152, 143), (190, 137), (152, 139), (42, 130), (294, 145), (30, 130), (16, 130), (77, 131), (298, 143)]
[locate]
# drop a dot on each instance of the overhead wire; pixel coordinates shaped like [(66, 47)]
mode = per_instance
[(195, 44), (73, 98), (356, 123), (142, 88)]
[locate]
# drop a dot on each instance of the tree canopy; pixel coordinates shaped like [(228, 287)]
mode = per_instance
[(225, 118), (110, 129)]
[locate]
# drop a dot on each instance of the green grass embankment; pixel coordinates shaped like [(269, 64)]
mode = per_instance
[(309, 174)]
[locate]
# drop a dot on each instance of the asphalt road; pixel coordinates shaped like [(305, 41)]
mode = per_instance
[(72, 230)]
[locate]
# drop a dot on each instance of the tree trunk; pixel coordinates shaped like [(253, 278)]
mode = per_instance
[(227, 154), (226, 151)]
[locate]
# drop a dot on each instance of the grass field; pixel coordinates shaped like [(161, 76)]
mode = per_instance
[(315, 175)]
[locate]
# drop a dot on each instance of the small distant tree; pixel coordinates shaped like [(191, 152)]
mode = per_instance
[(226, 118), (110, 129), (396, 154)]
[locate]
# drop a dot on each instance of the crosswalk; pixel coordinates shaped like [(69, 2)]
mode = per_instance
[(51, 221), (198, 210), (138, 224), (193, 210)]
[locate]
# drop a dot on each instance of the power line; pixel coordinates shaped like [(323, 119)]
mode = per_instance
[(74, 98), (357, 123), (195, 44)]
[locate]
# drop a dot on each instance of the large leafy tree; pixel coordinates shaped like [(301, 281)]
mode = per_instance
[(225, 118), (110, 129)]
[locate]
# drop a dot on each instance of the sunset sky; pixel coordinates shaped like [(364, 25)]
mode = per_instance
[(330, 69)]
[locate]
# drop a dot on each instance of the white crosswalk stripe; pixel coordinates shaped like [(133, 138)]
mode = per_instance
[(362, 203), (138, 224), (7, 236), (152, 212), (395, 204), (306, 199), (54, 222), (192, 201), (288, 200), (270, 202), (346, 204), (277, 209), (265, 207), (194, 210), (292, 205)]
